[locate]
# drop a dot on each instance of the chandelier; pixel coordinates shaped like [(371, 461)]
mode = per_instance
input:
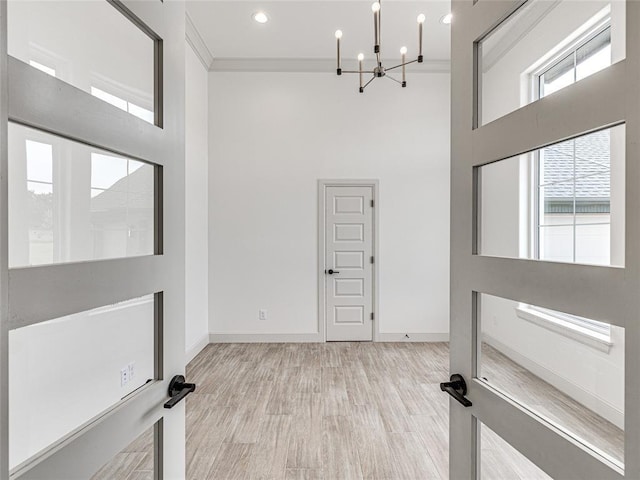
[(379, 71)]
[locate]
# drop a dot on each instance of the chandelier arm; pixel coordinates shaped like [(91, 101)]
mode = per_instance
[(398, 66), (366, 84), (358, 71), (391, 78)]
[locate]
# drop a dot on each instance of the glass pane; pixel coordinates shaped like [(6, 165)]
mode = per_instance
[(556, 243), (548, 46), (538, 205), (560, 367), (557, 77), (499, 460), (592, 244), (64, 372), (69, 202), (117, 68), (594, 56), (134, 462)]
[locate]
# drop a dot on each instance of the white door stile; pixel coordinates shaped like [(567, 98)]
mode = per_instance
[(4, 250), (30, 98), (607, 98)]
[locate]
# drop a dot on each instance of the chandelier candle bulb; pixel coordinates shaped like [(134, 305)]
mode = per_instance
[(403, 52), (338, 37), (376, 25), (421, 19), (360, 59)]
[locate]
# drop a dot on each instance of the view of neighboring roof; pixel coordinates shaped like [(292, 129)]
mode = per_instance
[(591, 170), (133, 192)]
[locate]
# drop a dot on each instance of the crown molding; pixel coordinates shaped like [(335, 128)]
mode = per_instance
[(312, 65), (195, 40)]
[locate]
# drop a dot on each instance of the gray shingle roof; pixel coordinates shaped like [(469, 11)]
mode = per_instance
[(591, 169)]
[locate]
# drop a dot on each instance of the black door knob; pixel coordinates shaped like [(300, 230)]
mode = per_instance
[(178, 389), (457, 388), (331, 271)]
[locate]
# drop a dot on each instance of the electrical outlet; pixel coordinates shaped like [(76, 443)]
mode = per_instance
[(124, 376), (262, 315), (132, 370)]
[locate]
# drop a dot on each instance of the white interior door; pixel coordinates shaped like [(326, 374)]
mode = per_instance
[(91, 238), (544, 294), (349, 260)]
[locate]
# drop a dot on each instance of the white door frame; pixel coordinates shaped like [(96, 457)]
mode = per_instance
[(37, 294), (323, 184), (610, 294)]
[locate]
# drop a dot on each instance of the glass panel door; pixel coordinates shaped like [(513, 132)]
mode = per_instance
[(544, 269), (92, 251)]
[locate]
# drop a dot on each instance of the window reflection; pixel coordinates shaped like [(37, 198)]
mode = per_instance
[(544, 47), (72, 202), (75, 42)]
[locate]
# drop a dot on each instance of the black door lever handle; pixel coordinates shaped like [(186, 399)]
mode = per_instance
[(178, 389), (331, 271), (457, 388)]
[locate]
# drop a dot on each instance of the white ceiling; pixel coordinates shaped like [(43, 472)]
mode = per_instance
[(305, 29)]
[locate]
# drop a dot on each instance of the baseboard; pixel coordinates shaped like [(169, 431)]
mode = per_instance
[(196, 348), (316, 338), (265, 338), (412, 337), (588, 399)]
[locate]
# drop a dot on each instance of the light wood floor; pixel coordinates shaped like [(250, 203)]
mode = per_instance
[(336, 411)]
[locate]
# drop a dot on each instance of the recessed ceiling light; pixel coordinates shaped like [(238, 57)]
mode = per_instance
[(260, 17), (446, 19)]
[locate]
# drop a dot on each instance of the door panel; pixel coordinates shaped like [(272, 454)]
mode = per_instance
[(602, 293), (349, 249), (37, 99)]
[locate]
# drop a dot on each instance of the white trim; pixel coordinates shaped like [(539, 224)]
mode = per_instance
[(196, 348), (265, 338), (413, 337), (322, 187), (197, 43), (315, 65), (596, 24), (570, 330), (588, 399), (532, 15)]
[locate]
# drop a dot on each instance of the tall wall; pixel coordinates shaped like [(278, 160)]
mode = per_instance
[(272, 136), (197, 211)]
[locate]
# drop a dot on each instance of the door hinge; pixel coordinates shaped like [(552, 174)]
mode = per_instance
[(372, 259), (372, 316), (373, 203)]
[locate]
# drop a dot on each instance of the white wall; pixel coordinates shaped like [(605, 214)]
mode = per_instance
[(272, 136), (196, 244)]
